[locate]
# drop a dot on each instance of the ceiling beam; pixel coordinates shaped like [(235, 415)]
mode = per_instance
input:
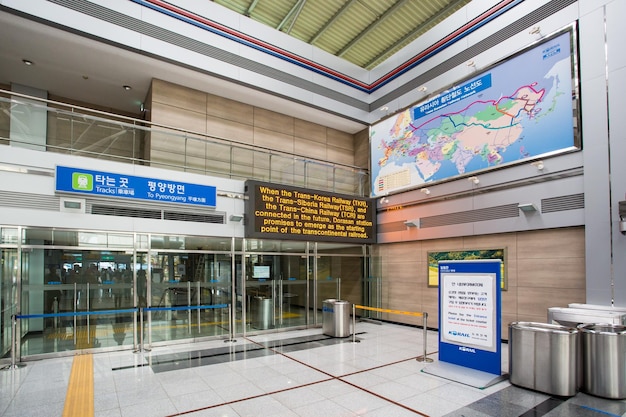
[(291, 14), (332, 20), (248, 12), (371, 27), (413, 34)]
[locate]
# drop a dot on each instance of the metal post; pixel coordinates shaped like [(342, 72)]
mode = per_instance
[(14, 346), (230, 323), (189, 307), (55, 310), (198, 299), (149, 348), (338, 288), (75, 301), (354, 324), (424, 358), (141, 328), (13, 340), (231, 326), (280, 302), (273, 305), (88, 307), (136, 347)]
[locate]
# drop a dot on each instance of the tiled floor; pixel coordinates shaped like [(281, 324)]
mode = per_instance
[(288, 374)]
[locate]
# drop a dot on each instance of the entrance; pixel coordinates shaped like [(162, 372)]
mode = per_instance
[(81, 290)]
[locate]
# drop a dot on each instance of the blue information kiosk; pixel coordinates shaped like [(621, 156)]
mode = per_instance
[(470, 337)]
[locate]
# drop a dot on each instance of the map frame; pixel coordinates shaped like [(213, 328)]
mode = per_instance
[(406, 179)]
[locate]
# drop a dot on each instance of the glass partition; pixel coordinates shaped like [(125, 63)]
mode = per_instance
[(75, 299), (91, 133), (8, 296), (190, 295), (90, 290)]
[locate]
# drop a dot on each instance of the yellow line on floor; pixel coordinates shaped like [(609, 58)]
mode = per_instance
[(79, 397)]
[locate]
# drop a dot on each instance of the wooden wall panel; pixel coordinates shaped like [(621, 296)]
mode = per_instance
[(181, 107), (544, 269)]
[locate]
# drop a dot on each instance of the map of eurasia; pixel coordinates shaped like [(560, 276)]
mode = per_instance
[(519, 109)]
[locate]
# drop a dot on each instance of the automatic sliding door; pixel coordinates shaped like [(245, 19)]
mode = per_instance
[(190, 294)]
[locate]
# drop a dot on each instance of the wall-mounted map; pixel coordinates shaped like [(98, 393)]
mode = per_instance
[(520, 109)]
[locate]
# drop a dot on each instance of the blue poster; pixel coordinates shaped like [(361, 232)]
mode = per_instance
[(470, 314), (107, 184)]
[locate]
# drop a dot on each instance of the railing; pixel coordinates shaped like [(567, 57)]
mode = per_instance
[(138, 345), (86, 132), (424, 315)]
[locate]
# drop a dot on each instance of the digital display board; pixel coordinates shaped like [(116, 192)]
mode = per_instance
[(279, 212), (521, 108)]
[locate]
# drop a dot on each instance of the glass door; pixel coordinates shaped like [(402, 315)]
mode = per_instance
[(292, 292), (8, 297), (189, 295)]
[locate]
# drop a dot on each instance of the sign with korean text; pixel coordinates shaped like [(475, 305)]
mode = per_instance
[(470, 314), (107, 184)]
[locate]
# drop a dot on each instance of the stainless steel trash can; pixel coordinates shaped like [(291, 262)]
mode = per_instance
[(604, 360), (261, 312), (336, 318), (544, 357)]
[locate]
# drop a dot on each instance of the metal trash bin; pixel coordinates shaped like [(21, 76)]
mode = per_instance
[(336, 318), (544, 357), (261, 312), (604, 359)]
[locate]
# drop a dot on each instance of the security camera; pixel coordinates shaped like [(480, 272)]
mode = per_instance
[(622, 227)]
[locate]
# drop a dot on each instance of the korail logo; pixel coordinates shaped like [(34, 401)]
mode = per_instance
[(458, 334), (466, 349)]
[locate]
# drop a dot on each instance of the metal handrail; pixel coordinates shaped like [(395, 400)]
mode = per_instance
[(148, 127)]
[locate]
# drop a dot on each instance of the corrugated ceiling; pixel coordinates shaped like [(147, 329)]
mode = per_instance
[(364, 32)]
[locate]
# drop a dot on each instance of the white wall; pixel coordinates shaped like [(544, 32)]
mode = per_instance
[(31, 173)]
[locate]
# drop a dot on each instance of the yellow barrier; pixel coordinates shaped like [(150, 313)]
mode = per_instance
[(386, 310), (422, 358)]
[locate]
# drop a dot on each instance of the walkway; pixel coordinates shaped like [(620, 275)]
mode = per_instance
[(290, 374)]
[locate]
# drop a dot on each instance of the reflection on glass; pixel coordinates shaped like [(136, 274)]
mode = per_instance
[(8, 235), (8, 296)]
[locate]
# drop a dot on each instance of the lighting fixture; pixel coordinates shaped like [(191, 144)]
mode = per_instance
[(28, 62), (471, 64), (536, 30), (425, 191), (412, 223), (527, 207), (235, 217), (538, 165), (384, 200), (422, 88), (127, 87), (474, 180)]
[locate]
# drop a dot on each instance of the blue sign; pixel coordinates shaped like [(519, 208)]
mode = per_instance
[(470, 314), (452, 96), (106, 184)]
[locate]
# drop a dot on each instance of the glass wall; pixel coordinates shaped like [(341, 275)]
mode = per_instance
[(96, 134), (9, 276), (88, 290)]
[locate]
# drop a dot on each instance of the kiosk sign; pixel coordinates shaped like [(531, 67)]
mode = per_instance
[(468, 310), (469, 314)]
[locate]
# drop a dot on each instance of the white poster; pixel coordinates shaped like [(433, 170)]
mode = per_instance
[(468, 310)]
